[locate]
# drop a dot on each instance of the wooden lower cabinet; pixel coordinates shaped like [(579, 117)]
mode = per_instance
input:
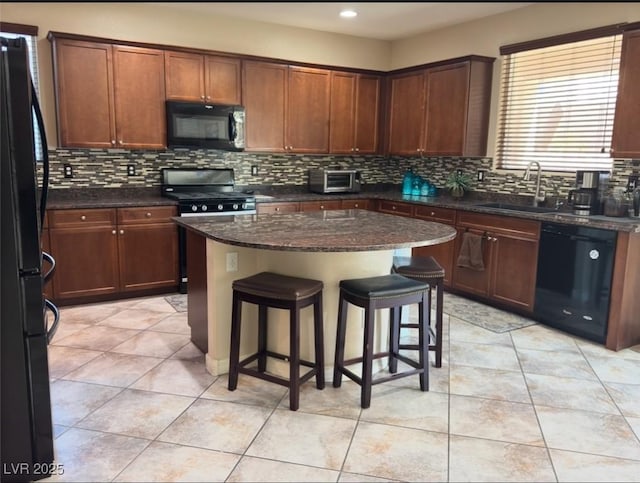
[(442, 252), (395, 208), (356, 204), (510, 256), (147, 248), (105, 252), (320, 205), (278, 207)]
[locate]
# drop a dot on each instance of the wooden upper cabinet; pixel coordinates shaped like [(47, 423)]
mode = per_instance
[(353, 125), (626, 125), (109, 95), (442, 111), (308, 105), (406, 119), (139, 97), (264, 92), (83, 73), (202, 78)]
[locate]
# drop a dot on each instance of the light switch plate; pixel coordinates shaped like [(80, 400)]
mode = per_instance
[(232, 262)]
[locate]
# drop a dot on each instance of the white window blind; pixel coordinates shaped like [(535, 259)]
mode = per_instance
[(558, 104), (33, 65)]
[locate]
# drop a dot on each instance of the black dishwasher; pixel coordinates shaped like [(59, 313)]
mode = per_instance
[(573, 285)]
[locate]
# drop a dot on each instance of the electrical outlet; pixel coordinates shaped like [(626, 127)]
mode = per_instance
[(633, 182), (254, 170), (232, 262), (459, 171), (131, 169), (68, 170), (480, 175)]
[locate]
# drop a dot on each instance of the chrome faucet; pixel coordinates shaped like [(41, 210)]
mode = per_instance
[(527, 174)]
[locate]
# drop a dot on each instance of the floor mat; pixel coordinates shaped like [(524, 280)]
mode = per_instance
[(178, 301), (482, 315)]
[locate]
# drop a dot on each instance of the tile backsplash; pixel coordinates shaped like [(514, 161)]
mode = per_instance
[(107, 168)]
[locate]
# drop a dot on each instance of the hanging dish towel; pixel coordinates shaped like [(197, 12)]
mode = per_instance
[(471, 252)]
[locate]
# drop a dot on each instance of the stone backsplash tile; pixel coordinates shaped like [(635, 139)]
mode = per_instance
[(107, 168)]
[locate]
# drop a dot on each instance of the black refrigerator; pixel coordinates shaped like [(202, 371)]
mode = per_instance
[(26, 431)]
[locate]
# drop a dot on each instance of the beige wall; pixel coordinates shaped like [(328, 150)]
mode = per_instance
[(164, 25)]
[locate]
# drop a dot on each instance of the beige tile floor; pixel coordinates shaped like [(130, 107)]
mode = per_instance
[(132, 401)]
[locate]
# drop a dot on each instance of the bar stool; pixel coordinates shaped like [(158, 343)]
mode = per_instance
[(268, 289), (428, 270), (386, 291)]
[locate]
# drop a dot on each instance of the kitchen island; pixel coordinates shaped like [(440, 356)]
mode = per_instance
[(326, 245)]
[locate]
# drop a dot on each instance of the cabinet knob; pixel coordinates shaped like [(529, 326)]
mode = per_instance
[(322, 207), (83, 217), (120, 142), (122, 232), (393, 207), (277, 209), (433, 213), (208, 98), (201, 97), (357, 150), (113, 232), (113, 142), (148, 215), (356, 205)]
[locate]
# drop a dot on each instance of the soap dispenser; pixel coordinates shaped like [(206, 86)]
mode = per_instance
[(407, 182)]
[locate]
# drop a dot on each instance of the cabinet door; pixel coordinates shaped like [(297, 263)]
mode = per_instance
[(626, 141), (84, 94), (442, 252), (446, 110), (395, 208), (264, 91), (222, 80), (367, 108), (184, 76), (307, 121), (514, 270), (343, 116), (86, 261), (139, 97), (148, 256), (466, 279), (353, 126), (406, 119)]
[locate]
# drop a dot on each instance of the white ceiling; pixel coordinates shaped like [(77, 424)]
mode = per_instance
[(383, 21)]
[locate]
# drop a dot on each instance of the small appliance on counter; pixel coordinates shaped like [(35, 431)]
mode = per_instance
[(322, 180), (588, 197)]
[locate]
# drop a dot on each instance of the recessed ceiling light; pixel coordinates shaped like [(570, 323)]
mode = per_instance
[(348, 13)]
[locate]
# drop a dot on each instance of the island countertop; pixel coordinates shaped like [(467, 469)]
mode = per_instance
[(320, 231)]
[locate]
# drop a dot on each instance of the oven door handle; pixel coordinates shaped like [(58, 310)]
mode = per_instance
[(233, 134)]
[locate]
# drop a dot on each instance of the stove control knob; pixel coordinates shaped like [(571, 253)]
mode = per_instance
[(235, 206), (194, 208), (220, 207), (204, 207)]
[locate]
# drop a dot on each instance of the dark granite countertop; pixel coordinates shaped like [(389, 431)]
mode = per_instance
[(122, 197), (320, 231), (64, 199)]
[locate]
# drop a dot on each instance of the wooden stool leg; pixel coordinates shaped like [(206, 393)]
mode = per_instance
[(367, 357), (319, 341), (439, 301), (340, 340), (395, 315), (294, 358), (262, 338), (423, 334), (234, 357)]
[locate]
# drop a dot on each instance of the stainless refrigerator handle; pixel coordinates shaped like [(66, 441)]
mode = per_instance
[(56, 319)]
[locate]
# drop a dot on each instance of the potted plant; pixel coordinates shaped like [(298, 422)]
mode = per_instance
[(458, 182)]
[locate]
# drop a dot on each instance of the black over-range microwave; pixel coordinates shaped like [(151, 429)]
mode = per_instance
[(210, 126)]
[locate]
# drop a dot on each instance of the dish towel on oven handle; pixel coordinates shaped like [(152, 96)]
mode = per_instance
[(471, 252)]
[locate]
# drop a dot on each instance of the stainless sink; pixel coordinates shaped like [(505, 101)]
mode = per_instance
[(507, 206)]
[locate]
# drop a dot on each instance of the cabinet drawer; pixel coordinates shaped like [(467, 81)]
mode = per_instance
[(88, 217), (284, 207), (320, 205), (355, 204), (434, 213), (506, 225), (396, 208), (146, 214)]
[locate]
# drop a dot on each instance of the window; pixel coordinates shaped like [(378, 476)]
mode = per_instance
[(29, 33), (558, 101)]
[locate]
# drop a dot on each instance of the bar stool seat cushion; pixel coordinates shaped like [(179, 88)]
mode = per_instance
[(276, 286), (383, 286), (423, 268)]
